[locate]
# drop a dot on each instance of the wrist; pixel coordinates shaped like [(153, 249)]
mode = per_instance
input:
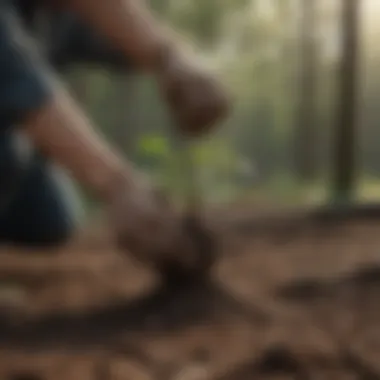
[(157, 55), (112, 181)]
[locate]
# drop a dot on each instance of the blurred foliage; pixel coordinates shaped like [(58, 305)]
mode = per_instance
[(255, 45), (216, 162)]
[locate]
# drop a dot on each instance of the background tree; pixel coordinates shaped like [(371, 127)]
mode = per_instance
[(305, 134), (286, 107), (347, 105)]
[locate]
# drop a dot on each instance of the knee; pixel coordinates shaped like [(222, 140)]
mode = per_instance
[(45, 213), (16, 155), (55, 234)]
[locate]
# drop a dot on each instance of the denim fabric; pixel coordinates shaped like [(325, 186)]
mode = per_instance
[(34, 206), (24, 79), (42, 209)]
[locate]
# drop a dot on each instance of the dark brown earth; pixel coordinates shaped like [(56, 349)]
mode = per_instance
[(288, 301)]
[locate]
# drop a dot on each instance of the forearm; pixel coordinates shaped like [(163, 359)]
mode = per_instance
[(62, 132), (128, 24)]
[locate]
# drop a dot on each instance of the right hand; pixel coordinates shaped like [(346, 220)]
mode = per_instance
[(145, 223)]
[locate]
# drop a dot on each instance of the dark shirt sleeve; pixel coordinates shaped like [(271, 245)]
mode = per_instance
[(25, 83), (74, 42)]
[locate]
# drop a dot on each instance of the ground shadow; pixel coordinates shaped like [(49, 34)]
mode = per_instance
[(165, 310), (363, 280), (280, 362), (274, 361), (294, 221)]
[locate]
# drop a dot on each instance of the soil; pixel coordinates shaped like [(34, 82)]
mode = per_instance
[(283, 303)]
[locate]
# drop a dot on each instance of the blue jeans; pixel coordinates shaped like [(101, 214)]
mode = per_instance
[(37, 201), (35, 205)]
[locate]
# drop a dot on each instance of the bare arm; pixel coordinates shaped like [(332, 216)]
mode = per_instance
[(63, 132), (129, 25), (30, 97)]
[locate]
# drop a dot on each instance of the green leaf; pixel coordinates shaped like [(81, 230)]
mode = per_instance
[(153, 146)]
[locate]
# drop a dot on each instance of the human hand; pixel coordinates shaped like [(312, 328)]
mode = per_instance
[(196, 98)]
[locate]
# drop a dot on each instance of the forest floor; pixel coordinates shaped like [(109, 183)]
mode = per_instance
[(296, 301)]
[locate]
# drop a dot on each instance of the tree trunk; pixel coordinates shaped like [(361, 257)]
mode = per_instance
[(305, 138), (344, 139)]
